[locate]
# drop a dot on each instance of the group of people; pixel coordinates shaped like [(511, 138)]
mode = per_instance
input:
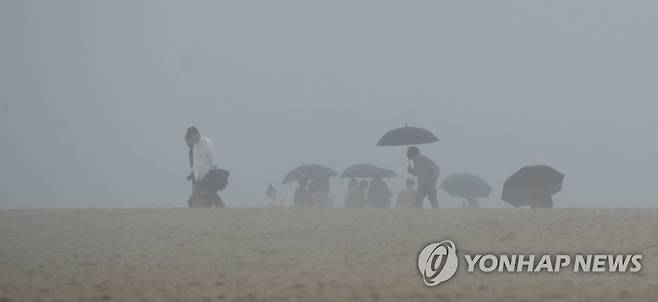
[(374, 193), (314, 192), (208, 179)]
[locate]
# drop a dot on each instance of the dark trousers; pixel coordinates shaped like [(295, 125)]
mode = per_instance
[(428, 191), (208, 191), (197, 200)]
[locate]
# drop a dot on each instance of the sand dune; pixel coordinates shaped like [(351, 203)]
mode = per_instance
[(310, 254)]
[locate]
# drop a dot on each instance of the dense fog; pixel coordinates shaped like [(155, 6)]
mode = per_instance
[(95, 96)]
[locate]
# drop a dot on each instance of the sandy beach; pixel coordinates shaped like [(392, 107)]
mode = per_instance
[(311, 254)]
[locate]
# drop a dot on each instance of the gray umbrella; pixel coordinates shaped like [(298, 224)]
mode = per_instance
[(407, 136), (367, 171), (467, 186), (309, 172), (531, 184)]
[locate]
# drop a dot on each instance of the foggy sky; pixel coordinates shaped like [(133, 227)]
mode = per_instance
[(96, 95)]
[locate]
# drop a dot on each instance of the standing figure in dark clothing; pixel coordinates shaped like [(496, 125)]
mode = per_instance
[(379, 195), (427, 174), (319, 191), (302, 196)]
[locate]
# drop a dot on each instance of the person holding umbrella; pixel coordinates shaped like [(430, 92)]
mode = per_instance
[(425, 170), (318, 188), (427, 175), (376, 194)]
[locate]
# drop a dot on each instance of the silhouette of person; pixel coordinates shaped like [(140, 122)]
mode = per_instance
[(302, 198), (379, 195), (361, 196), (319, 191), (427, 175), (204, 167), (351, 193)]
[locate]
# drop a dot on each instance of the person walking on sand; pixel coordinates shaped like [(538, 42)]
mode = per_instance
[(427, 174), (205, 168), (407, 197)]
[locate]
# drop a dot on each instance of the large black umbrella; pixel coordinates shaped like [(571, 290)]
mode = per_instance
[(467, 186), (309, 172), (407, 136), (367, 171), (531, 184)]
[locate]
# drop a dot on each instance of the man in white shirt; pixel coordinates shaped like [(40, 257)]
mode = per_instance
[(204, 166), (427, 173), (195, 200)]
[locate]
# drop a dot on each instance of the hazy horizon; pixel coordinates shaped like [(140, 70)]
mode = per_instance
[(95, 96)]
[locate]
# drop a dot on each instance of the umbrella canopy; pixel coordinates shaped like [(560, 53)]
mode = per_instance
[(407, 136), (367, 171), (467, 186), (531, 184), (309, 172)]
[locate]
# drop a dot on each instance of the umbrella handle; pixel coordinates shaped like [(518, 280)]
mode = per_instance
[(405, 170)]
